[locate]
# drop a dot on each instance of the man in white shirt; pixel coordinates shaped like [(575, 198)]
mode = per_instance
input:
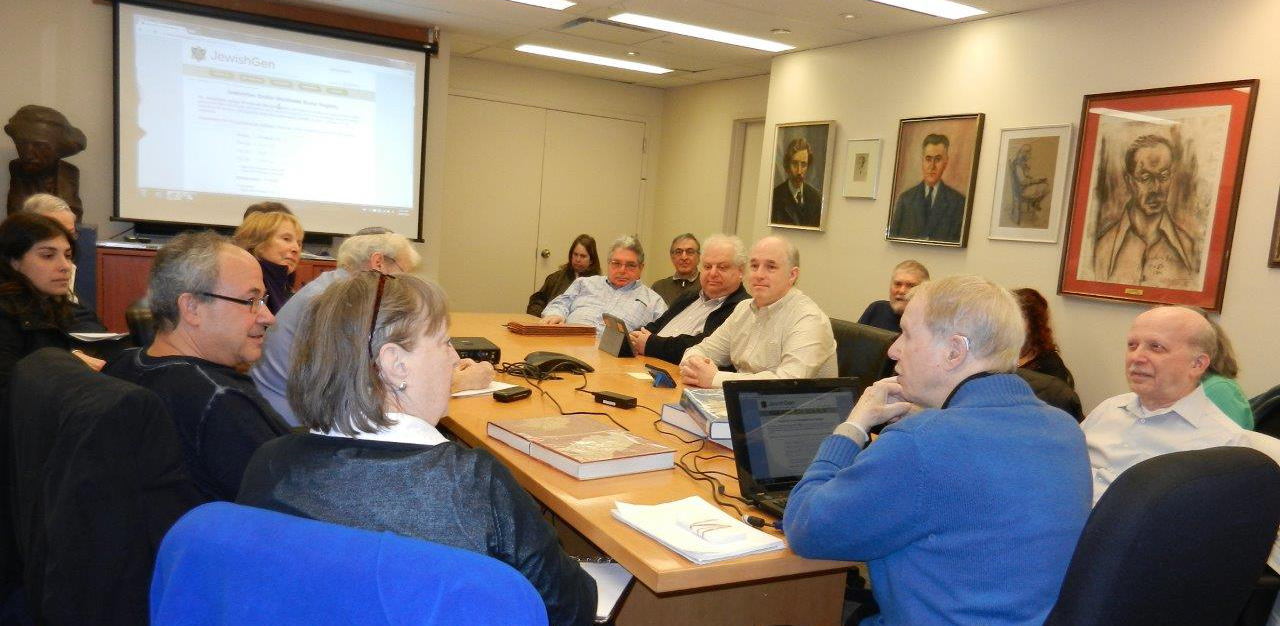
[(619, 293), (778, 333), (1166, 410)]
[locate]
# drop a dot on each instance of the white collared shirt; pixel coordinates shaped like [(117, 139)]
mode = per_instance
[(693, 318), (405, 429), (1121, 433)]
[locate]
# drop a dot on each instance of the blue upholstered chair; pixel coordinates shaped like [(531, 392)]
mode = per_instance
[(225, 563)]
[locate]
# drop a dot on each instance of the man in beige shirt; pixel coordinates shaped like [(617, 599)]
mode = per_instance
[(778, 333)]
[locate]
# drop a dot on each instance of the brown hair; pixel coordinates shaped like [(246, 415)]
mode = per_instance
[(18, 234), (1035, 309), (588, 242), (258, 228), (268, 206), (334, 383)]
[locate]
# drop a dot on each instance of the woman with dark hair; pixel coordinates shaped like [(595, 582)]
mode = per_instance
[(1040, 352), (370, 379), (583, 261), (35, 280)]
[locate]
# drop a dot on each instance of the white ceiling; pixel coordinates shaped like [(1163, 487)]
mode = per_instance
[(490, 29)]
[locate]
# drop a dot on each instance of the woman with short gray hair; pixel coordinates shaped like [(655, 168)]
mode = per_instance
[(370, 379)]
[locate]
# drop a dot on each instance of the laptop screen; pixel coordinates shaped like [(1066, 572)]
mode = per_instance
[(780, 424)]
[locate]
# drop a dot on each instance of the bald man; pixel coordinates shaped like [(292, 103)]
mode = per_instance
[(1166, 410)]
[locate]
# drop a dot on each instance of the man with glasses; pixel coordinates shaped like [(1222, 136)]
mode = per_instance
[(209, 305), (685, 253), (370, 249), (619, 293)]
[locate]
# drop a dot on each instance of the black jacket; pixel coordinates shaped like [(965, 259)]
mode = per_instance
[(670, 349), (555, 284), (442, 493)]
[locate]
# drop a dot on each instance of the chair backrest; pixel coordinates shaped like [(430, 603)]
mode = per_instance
[(862, 350), (98, 480), (142, 327), (1177, 539), (1054, 391), (1266, 411), (227, 563)]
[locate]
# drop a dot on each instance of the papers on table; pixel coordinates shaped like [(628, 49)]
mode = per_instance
[(663, 523), (493, 386), (612, 581), (98, 336), (641, 376)]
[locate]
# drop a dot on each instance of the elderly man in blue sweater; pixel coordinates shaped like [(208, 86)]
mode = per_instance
[(968, 506)]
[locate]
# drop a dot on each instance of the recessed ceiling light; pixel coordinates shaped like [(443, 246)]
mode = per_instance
[(582, 57), (780, 31), (558, 5), (690, 30), (632, 53), (941, 8), (848, 16)]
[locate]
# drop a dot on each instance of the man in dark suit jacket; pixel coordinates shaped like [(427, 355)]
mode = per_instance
[(796, 202), (930, 210), (695, 315)]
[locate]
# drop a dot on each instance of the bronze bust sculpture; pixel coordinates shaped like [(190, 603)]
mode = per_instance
[(44, 137)]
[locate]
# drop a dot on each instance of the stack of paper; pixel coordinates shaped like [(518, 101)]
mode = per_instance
[(493, 386), (662, 523)]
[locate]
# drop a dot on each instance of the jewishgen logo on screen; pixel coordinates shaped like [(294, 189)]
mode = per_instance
[(197, 53)]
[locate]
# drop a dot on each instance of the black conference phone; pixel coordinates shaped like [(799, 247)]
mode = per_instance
[(547, 363)]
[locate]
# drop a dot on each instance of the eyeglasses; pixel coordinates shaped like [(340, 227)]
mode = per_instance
[(629, 265), (254, 304), (377, 302)]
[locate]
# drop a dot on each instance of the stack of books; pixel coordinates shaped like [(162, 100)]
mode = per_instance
[(582, 447), (551, 330), (702, 412)]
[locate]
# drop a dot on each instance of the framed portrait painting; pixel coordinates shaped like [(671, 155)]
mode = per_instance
[(1031, 182), (862, 168), (933, 177), (1154, 199), (801, 174)]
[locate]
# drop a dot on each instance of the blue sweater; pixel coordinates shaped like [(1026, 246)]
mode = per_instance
[(965, 515)]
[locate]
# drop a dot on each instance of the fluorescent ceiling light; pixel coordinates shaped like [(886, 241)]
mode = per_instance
[(941, 8), (591, 58), (644, 21), (558, 5)]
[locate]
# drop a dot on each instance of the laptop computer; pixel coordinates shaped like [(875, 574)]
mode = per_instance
[(777, 426)]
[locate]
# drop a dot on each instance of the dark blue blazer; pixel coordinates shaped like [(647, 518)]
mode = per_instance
[(913, 219)]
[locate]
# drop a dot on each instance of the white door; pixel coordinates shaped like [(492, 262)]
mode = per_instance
[(752, 145), (592, 182), (492, 182)]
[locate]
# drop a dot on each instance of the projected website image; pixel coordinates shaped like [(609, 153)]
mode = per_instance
[(793, 427), (264, 121)]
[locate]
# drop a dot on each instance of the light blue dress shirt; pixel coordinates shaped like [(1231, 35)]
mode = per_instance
[(590, 297)]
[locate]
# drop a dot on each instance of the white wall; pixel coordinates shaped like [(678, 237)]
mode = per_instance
[(697, 133), (1031, 69)]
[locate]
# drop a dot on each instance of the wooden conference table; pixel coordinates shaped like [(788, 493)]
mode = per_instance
[(774, 588)]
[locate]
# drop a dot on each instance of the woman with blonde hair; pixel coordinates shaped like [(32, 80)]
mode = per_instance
[(275, 239), (370, 379)]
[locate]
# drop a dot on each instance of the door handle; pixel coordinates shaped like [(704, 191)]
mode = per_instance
[(545, 253)]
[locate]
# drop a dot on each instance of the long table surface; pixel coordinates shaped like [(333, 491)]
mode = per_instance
[(586, 504)]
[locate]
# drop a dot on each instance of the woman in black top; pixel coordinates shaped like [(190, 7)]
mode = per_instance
[(275, 239), (1040, 352), (370, 379), (583, 261), (35, 279)]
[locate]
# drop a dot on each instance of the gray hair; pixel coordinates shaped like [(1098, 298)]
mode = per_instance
[(187, 264), (985, 313), (355, 252), (45, 203), (739, 248), (912, 266), (334, 381), (628, 242), (686, 236)]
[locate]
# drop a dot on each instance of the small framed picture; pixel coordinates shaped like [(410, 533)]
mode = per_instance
[(1031, 182), (862, 168), (1157, 182), (1273, 259), (933, 177), (801, 174)]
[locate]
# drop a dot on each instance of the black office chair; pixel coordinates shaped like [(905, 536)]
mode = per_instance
[(98, 480), (1177, 539), (862, 350), (142, 327), (1054, 391), (1266, 411)]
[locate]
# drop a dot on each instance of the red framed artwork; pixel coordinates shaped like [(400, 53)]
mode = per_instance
[(1153, 203)]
